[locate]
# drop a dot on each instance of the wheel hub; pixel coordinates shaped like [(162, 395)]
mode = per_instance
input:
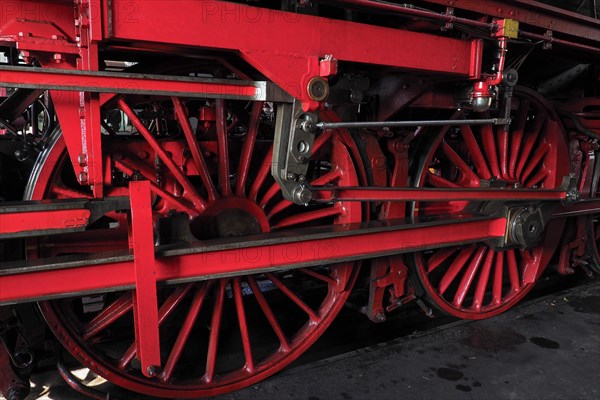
[(230, 217), (526, 226)]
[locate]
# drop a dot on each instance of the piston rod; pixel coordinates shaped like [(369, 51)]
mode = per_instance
[(399, 124)]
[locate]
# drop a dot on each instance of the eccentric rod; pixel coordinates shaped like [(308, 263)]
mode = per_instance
[(397, 124)]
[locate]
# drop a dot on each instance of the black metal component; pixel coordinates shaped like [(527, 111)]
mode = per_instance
[(12, 386), (17, 103)]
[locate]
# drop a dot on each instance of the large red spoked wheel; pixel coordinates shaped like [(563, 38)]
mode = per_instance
[(218, 335), (475, 281)]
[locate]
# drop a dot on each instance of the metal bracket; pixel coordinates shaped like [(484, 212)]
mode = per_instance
[(48, 217), (145, 303), (295, 133)]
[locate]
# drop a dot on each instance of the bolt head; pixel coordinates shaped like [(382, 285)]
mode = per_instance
[(152, 370), (83, 177), (380, 317), (291, 177), (302, 196), (308, 126)]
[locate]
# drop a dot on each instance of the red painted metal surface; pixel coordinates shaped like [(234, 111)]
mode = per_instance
[(290, 57), (335, 280), (57, 79), (41, 221), (245, 259), (197, 173), (145, 304), (327, 194), (457, 278)]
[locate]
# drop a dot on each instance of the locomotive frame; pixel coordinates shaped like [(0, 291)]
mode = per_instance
[(62, 46)]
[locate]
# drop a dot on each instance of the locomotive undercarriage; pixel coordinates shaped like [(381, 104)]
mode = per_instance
[(192, 202)]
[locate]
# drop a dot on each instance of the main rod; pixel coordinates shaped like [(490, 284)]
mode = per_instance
[(331, 193), (43, 279)]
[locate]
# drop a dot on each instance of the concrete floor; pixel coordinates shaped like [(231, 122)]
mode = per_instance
[(547, 348)]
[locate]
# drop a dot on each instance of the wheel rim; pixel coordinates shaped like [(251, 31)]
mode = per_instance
[(219, 335), (474, 281)]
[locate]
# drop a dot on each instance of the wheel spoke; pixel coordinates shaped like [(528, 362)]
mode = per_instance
[(489, 145), (308, 216), (535, 160), (439, 182), (292, 296), (516, 136), (197, 156), (215, 330), (439, 257), (468, 277), (162, 154), (239, 306), (279, 207), (537, 178), (266, 309), (269, 194), (482, 283), (513, 271), (503, 151), (166, 196), (458, 263), (263, 172), (475, 152), (163, 313), (184, 332), (327, 279), (498, 271), (108, 316), (247, 150), (468, 175), (321, 140), (222, 144), (528, 144)]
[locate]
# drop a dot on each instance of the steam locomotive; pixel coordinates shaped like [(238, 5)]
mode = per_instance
[(191, 191)]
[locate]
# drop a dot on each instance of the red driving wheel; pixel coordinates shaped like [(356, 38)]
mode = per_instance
[(475, 281), (218, 335)]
